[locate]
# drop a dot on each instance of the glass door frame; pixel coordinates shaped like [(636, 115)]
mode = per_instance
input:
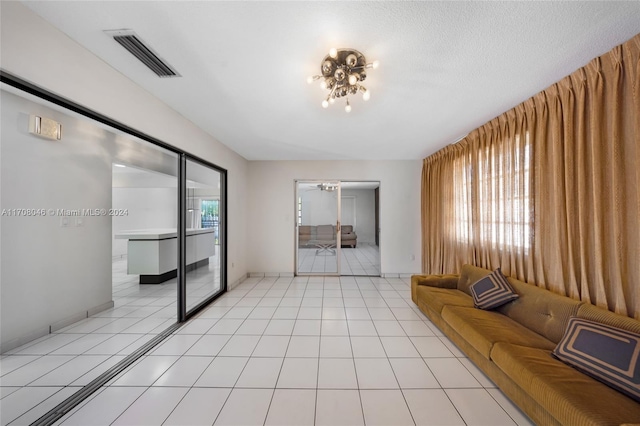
[(64, 407), (338, 229), (183, 313)]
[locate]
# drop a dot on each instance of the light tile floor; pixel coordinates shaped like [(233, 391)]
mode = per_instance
[(363, 260), (40, 374), (302, 351)]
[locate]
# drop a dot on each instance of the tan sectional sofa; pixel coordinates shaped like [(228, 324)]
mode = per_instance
[(512, 345), (307, 234)]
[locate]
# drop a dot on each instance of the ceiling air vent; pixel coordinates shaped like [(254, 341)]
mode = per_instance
[(130, 41)]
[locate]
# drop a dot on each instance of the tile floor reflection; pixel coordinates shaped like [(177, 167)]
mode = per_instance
[(364, 260), (40, 374)]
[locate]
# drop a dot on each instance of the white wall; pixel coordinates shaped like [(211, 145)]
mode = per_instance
[(319, 207), (146, 208), (50, 273), (271, 221), (150, 199), (36, 51)]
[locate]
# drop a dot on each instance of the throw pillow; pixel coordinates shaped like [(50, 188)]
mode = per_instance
[(492, 291), (608, 354)]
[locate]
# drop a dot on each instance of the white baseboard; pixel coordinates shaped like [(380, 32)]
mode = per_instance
[(52, 328), (231, 286), (397, 274), (59, 325), (16, 343), (271, 274), (100, 308)]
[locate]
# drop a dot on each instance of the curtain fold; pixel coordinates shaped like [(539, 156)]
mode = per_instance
[(550, 190)]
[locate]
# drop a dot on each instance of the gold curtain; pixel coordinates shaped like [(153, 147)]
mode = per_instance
[(550, 190)]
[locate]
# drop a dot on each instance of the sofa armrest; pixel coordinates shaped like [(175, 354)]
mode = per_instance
[(439, 280)]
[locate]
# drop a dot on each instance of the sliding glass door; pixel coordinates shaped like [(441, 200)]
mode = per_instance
[(95, 217), (336, 230), (204, 186), (318, 227), (88, 256)]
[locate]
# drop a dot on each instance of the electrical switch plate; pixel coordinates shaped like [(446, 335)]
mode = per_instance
[(64, 222)]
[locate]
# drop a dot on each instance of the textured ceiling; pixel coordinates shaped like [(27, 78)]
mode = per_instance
[(445, 67)]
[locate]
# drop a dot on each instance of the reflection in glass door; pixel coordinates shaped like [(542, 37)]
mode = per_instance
[(210, 216), (88, 276), (203, 254), (97, 209), (318, 227)]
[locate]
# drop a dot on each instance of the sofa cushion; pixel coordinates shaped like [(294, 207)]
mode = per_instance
[(606, 353), (436, 280), (492, 291), (482, 329), (469, 275), (540, 310), (305, 229), (346, 229), (571, 397), (437, 298), (603, 316), (325, 232)]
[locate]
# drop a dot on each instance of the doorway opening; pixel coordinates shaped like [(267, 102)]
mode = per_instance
[(337, 228)]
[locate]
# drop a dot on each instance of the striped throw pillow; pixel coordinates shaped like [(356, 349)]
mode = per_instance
[(492, 291), (608, 354)]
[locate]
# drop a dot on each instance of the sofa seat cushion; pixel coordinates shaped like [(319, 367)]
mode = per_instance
[(571, 397), (482, 329), (437, 298), (348, 237)]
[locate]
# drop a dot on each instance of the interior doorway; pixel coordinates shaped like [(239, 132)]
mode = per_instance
[(360, 212), (318, 236), (336, 230)]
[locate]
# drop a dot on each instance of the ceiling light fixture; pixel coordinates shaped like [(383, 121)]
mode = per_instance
[(330, 187), (343, 71)]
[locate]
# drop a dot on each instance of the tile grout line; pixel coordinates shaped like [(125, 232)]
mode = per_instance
[(275, 386)]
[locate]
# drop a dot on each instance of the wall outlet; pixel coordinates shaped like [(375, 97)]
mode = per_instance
[(412, 257)]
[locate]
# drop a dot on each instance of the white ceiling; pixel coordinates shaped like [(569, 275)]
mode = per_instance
[(445, 67)]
